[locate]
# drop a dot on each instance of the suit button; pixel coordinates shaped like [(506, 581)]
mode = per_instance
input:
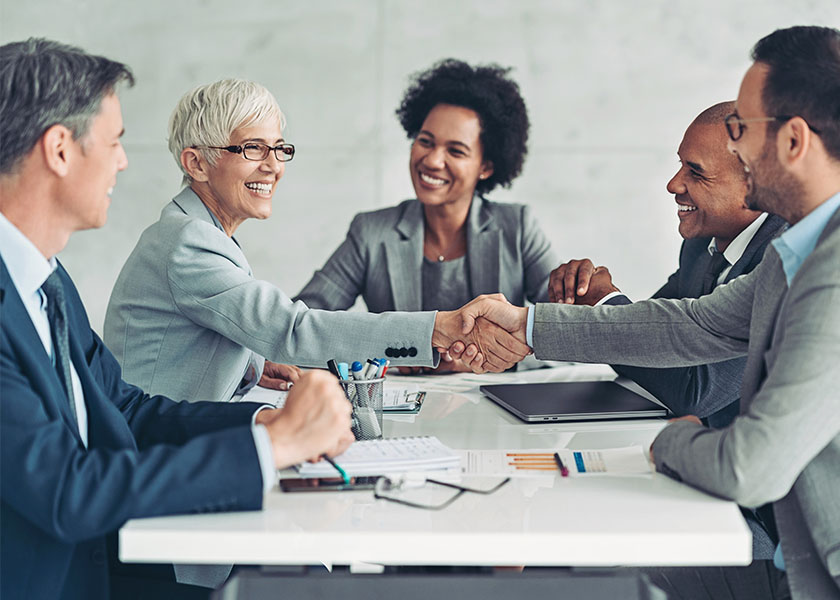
[(403, 352), (412, 351), (97, 557), (389, 352)]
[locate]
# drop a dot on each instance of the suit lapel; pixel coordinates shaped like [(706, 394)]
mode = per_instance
[(698, 271), (34, 358), (190, 204), (483, 249), (404, 257), (771, 226)]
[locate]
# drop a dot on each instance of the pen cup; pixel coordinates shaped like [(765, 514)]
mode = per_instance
[(366, 398)]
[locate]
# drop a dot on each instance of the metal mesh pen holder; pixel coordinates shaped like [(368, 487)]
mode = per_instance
[(366, 398)]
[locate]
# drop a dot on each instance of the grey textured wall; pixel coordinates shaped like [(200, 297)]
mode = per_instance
[(610, 85)]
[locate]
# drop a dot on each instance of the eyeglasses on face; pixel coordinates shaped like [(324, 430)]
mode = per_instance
[(735, 124), (258, 150)]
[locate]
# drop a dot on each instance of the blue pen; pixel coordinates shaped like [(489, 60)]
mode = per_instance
[(381, 369), (356, 370)]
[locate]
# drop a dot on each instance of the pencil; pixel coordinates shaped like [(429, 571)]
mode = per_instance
[(344, 475)]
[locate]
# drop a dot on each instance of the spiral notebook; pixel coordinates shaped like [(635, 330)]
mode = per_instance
[(387, 456)]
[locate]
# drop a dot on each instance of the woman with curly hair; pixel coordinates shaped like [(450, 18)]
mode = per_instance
[(469, 127)]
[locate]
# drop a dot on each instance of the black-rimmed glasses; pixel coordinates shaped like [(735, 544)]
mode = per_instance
[(384, 485), (258, 151), (735, 124)]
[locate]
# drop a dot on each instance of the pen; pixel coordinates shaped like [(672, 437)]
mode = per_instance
[(344, 475), (356, 371), (333, 367), (563, 470), (371, 368), (383, 364), (343, 371)]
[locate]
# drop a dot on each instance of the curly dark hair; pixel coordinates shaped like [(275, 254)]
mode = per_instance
[(488, 91)]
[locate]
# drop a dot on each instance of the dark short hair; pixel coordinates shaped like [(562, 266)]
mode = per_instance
[(45, 83), (804, 78), (488, 91)]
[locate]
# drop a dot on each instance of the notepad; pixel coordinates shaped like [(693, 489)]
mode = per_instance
[(387, 456)]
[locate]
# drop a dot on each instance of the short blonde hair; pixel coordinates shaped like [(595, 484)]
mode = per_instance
[(209, 114)]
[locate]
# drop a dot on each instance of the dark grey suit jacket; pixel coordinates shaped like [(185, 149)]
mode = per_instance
[(784, 447), (709, 391), (382, 258)]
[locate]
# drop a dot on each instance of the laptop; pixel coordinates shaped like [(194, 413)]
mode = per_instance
[(572, 401)]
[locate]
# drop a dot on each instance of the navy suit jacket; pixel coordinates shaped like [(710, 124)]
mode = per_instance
[(146, 456), (707, 391)]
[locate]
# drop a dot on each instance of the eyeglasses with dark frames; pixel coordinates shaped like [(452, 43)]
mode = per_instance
[(735, 124), (258, 150), (386, 484)]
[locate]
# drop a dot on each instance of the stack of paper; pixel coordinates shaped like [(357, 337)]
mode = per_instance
[(387, 456)]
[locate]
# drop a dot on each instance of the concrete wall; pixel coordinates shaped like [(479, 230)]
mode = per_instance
[(610, 85)]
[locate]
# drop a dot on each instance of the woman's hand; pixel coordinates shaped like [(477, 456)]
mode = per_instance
[(279, 377)]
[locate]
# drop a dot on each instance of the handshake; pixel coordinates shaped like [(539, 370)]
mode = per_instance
[(487, 334)]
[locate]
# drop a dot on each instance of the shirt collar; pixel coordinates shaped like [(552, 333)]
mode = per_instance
[(736, 248), (795, 244), (28, 269)]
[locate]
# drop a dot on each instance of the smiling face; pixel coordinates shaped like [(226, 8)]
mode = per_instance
[(236, 188), (97, 158), (447, 158), (770, 188), (709, 187)]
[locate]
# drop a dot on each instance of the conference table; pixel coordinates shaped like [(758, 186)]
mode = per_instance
[(585, 521)]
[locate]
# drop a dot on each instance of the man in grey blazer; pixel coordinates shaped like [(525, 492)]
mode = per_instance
[(784, 447)]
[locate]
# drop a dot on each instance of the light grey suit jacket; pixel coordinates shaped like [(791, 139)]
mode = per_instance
[(382, 258), (784, 447), (186, 314)]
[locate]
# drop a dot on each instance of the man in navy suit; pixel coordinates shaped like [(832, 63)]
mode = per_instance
[(81, 450), (723, 240)]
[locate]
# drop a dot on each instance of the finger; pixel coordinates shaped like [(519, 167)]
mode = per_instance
[(470, 352), (570, 280), (457, 349), (555, 284), (587, 269)]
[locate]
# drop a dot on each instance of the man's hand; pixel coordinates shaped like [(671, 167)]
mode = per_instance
[(314, 421), (689, 418), (580, 282), (494, 343), (279, 377)]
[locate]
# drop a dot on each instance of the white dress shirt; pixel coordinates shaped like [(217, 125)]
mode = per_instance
[(28, 270)]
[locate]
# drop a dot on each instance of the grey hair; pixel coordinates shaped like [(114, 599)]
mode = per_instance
[(45, 83), (209, 114)]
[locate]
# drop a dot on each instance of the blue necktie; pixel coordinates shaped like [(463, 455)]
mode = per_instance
[(57, 315)]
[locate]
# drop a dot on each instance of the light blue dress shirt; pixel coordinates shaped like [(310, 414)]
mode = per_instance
[(794, 246)]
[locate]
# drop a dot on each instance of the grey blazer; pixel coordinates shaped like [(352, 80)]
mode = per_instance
[(784, 447), (186, 313), (382, 258)]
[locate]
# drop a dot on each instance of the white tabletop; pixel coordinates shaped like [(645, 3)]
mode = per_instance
[(581, 521)]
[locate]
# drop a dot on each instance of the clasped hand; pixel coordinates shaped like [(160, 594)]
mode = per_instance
[(487, 334)]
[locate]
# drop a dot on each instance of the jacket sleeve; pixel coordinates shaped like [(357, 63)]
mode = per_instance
[(74, 493), (337, 284), (212, 290), (793, 416), (538, 258), (650, 333), (700, 390)]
